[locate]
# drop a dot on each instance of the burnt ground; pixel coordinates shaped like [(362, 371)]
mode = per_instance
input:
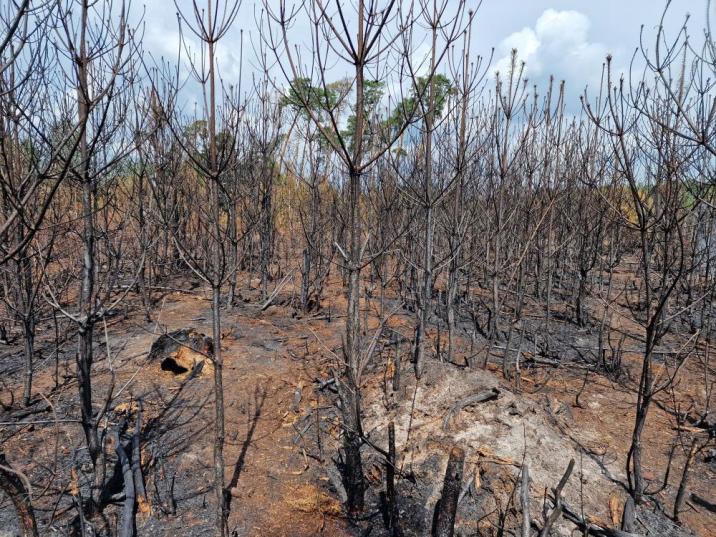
[(282, 430)]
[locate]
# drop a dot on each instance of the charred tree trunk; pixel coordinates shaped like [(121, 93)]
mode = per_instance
[(350, 395), (127, 522), (684, 480), (426, 287), (446, 508), (218, 261), (13, 486), (28, 326), (85, 352)]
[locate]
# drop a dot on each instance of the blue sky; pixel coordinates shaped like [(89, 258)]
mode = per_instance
[(565, 38)]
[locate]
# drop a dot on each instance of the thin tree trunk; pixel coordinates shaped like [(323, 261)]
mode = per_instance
[(684, 480), (525, 499), (219, 434), (350, 393), (425, 297), (29, 348), (85, 355), (218, 262), (13, 487)]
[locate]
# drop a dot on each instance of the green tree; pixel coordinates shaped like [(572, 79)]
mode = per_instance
[(407, 110)]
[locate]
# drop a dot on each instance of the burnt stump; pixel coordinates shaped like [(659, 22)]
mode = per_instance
[(183, 351)]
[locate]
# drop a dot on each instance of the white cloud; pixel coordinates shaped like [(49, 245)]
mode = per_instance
[(558, 45), (562, 28), (527, 45)]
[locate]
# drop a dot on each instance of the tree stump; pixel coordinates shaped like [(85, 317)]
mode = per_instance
[(446, 508), (183, 351)]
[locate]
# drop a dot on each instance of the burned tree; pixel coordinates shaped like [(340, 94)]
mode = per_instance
[(365, 50), (100, 110), (209, 147)]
